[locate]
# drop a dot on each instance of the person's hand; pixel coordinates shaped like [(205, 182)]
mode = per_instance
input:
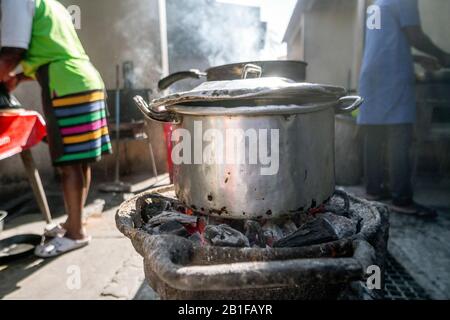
[(429, 64), (11, 82)]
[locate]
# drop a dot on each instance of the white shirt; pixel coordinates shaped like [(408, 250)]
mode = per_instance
[(16, 23)]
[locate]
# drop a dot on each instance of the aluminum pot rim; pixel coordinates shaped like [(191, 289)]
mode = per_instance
[(174, 112), (265, 110), (257, 62)]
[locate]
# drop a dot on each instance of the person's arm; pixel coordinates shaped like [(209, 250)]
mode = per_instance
[(427, 62), (16, 33), (9, 60), (409, 20), (419, 40), (15, 79)]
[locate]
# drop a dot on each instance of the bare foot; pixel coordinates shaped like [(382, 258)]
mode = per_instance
[(78, 235)]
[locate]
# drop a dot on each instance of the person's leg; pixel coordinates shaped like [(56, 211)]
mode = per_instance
[(374, 158), (86, 170), (399, 148), (74, 236), (86, 181), (400, 141), (73, 190)]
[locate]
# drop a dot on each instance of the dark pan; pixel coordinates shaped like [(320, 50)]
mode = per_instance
[(17, 247)]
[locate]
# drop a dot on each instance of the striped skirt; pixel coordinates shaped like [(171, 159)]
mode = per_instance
[(77, 131), (83, 131)]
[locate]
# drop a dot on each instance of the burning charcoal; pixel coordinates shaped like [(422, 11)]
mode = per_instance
[(175, 228), (313, 232), (155, 230), (335, 206), (149, 229), (225, 236), (197, 238), (197, 227), (167, 216), (255, 233), (155, 206), (342, 226), (289, 227), (272, 233)]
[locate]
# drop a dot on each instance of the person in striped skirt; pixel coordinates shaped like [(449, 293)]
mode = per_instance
[(40, 36)]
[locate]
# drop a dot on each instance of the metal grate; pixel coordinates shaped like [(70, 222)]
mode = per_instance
[(399, 285)]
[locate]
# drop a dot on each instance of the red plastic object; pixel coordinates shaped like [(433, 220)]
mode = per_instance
[(19, 131), (168, 137)]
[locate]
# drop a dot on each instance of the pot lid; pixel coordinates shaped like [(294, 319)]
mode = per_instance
[(251, 92)]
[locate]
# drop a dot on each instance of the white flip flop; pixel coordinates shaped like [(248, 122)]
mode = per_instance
[(58, 246), (54, 230)]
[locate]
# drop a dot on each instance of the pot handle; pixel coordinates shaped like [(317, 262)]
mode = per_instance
[(152, 114), (344, 107), (167, 260), (166, 82), (251, 69)]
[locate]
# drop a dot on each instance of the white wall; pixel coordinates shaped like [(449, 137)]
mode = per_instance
[(435, 21), (329, 38), (295, 44), (113, 31)]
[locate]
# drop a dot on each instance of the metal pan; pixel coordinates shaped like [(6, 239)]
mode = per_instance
[(291, 69), (17, 247)]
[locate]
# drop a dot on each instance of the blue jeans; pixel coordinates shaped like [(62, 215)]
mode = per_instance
[(391, 142)]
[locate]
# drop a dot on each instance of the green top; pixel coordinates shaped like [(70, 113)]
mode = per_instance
[(54, 41)]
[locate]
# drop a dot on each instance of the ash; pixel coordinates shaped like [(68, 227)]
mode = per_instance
[(331, 221)]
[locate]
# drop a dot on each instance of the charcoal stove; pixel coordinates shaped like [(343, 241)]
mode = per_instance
[(177, 268)]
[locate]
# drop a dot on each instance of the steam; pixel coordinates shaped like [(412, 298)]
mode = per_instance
[(139, 35), (201, 33), (218, 32)]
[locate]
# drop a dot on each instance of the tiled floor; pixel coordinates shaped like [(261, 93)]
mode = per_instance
[(400, 285), (421, 246)]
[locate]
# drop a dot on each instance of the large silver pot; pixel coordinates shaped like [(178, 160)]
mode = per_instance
[(305, 124)]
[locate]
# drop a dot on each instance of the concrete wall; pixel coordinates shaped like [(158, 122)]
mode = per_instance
[(328, 43), (295, 47), (435, 21), (112, 31)]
